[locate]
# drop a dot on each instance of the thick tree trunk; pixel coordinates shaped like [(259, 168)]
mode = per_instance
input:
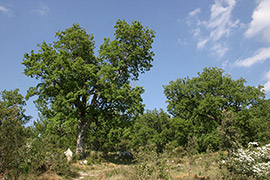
[(81, 133), (82, 127), (80, 142)]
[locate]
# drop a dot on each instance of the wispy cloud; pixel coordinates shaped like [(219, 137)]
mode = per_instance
[(43, 10), (258, 27), (6, 11), (194, 12), (267, 78), (220, 23), (260, 24), (182, 42), (201, 43), (197, 32), (260, 56), (219, 49), (218, 27), (225, 64)]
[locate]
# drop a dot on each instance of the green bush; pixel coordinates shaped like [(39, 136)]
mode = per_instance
[(153, 127), (12, 138), (150, 164), (38, 156), (95, 158)]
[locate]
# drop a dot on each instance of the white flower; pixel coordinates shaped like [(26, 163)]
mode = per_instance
[(253, 160)]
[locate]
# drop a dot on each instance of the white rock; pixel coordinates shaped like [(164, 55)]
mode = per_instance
[(84, 162), (68, 153)]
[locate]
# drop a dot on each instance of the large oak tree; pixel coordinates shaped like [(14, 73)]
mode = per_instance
[(199, 102), (78, 86)]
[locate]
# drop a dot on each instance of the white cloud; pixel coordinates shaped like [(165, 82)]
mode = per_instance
[(43, 10), (214, 30), (220, 23), (182, 42), (260, 56), (219, 49), (225, 64), (267, 84), (260, 24), (194, 12), (259, 27), (201, 43), (3, 9), (6, 11), (197, 32)]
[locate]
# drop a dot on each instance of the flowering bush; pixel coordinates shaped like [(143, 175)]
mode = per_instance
[(252, 162)]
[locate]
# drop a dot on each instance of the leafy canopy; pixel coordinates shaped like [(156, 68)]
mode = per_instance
[(13, 99), (12, 132), (151, 128), (78, 87), (200, 101)]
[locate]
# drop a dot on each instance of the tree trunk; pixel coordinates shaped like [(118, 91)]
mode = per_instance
[(82, 126), (80, 141), (81, 133)]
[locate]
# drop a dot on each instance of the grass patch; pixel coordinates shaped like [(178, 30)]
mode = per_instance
[(148, 165), (153, 166)]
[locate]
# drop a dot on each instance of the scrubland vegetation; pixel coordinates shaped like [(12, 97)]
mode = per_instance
[(86, 103)]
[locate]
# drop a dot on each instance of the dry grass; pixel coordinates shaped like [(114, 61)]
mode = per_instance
[(50, 176), (109, 171), (199, 167)]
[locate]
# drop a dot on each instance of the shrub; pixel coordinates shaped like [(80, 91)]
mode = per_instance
[(150, 164), (38, 156), (12, 138), (228, 132), (253, 162)]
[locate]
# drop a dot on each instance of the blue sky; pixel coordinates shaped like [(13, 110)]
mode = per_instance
[(190, 35)]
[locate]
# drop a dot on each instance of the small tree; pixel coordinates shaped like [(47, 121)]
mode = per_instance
[(11, 99), (12, 136), (230, 137), (12, 132)]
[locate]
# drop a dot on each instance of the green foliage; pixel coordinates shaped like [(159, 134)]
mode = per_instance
[(179, 131), (254, 122), (78, 88), (12, 132), (62, 135), (11, 99), (12, 138), (150, 164), (22, 152), (230, 137), (95, 158), (107, 136), (153, 127), (199, 102), (192, 146), (259, 116), (38, 155)]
